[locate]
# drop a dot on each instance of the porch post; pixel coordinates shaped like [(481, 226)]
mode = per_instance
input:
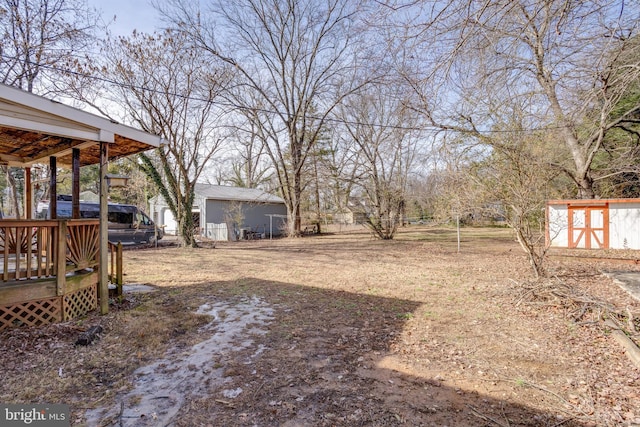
[(28, 193), (104, 231), (53, 189), (75, 184)]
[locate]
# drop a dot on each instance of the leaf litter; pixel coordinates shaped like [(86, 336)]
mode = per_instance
[(348, 331)]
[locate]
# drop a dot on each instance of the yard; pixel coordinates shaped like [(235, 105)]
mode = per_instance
[(342, 330)]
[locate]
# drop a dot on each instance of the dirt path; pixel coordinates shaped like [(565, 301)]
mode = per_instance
[(161, 389)]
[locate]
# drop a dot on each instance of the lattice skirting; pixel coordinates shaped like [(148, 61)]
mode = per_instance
[(31, 313), (80, 302), (51, 310)]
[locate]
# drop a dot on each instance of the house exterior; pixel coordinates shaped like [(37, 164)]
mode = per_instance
[(228, 213), (593, 224)]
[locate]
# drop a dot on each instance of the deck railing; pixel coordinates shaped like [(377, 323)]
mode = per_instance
[(48, 270), (36, 249), (30, 250), (116, 275)]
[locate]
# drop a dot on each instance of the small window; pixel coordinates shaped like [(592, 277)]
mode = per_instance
[(121, 217), (145, 219)]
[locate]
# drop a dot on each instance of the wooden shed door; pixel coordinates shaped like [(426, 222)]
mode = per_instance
[(589, 227)]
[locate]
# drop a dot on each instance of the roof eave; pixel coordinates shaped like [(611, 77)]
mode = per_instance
[(43, 118)]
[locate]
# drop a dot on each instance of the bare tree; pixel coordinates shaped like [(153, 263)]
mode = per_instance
[(563, 57), (248, 168), (510, 182), (314, 199), (617, 165), (514, 183), (341, 170), (296, 57), (39, 38), (168, 88), (384, 131)]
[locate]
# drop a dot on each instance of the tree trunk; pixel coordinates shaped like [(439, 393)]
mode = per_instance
[(186, 230), (295, 222), (585, 188), (317, 195)]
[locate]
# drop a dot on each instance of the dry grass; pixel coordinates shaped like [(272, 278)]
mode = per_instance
[(366, 332)]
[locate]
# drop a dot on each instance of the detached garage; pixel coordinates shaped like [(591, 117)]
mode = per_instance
[(594, 223), (228, 213)]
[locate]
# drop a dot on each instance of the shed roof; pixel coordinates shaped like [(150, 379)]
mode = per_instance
[(224, 192), (590, 202), (34, 128)]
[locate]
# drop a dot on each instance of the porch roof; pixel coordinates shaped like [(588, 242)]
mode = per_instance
[(34, 128)]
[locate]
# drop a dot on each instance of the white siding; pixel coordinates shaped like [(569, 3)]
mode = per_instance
[(559, 226), (624, 225)]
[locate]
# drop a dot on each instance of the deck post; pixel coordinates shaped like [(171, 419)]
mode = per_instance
[(61, 258), (104, 231), (53, 187), (75, 183), (28, 191), (119, 267)]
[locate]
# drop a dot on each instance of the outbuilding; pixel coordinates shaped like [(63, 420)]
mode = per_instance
[(593, 223), (228, 213)]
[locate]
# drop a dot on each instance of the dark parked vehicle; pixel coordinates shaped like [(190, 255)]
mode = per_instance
[(127, 223)]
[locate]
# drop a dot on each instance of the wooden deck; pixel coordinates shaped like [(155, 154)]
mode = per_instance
[(49, 270)]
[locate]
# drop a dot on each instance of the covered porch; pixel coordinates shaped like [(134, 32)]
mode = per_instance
[(56, 269)]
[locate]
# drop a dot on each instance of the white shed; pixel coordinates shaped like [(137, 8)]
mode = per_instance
[(594, 223)]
